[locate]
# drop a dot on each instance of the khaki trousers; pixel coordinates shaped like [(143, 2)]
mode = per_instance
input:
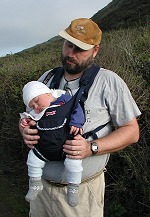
[(52, 202)]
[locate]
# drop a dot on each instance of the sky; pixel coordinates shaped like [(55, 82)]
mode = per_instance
[(26, 23)]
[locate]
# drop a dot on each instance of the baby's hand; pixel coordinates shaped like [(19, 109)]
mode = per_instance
[(24, 122), (75, 130)]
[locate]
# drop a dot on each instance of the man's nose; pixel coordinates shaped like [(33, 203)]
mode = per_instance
[(73, 51)]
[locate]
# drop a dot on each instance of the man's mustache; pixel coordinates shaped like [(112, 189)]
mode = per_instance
[(71, 59)]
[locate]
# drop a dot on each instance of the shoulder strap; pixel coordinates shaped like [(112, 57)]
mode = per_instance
[(57, 73), (85, 83), (87, 80)]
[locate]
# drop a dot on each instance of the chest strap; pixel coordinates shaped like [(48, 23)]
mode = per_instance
[(93, 132)]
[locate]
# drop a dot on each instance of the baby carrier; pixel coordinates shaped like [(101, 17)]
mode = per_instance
[(53, 127)]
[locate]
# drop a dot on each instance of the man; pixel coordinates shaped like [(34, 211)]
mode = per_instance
[(109, 101)]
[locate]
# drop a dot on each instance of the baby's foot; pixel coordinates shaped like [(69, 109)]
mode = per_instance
[(72, 194), (35, 187)]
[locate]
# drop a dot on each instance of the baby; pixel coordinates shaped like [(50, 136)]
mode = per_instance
[(38, 98)]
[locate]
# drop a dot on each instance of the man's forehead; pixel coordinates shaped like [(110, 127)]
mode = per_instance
[(75, 46)]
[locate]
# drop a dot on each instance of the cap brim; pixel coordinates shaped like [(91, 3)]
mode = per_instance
[(75, 41)]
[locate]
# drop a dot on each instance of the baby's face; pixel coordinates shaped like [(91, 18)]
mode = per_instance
[(39, 103)]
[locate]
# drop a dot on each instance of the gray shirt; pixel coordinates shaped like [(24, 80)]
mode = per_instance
[(109, 100)]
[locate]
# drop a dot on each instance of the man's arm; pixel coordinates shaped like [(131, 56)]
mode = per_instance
[(119, 139), (115, 141)]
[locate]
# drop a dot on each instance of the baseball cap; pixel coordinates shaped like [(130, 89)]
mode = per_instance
[(82, 32)]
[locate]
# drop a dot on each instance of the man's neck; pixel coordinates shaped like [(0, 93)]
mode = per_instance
[(70, 77)]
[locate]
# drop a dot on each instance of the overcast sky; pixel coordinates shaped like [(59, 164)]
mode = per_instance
[(25, 23)]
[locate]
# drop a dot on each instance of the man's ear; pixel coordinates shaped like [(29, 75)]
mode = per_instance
[(96, 49)]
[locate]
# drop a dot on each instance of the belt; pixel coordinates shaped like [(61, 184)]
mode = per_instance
[(57, 184)]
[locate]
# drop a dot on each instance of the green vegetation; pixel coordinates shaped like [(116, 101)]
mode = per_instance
[(125, 50), (123, 14), (127, 177)]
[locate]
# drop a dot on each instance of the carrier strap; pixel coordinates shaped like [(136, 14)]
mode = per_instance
[(87, 80), (39, 155), (58, 71), (93, 132)]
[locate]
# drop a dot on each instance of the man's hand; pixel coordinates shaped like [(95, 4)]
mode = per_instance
[(29, 135), (78, 148)]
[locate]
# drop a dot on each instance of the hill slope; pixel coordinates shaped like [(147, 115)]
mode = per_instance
[(122, 14)]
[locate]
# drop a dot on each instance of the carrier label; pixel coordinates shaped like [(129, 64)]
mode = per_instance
[(51, 113)]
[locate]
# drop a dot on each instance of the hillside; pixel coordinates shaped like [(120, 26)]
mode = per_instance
[(122, 14)]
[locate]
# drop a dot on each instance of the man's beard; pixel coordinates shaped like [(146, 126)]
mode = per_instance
[(77, 68)]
